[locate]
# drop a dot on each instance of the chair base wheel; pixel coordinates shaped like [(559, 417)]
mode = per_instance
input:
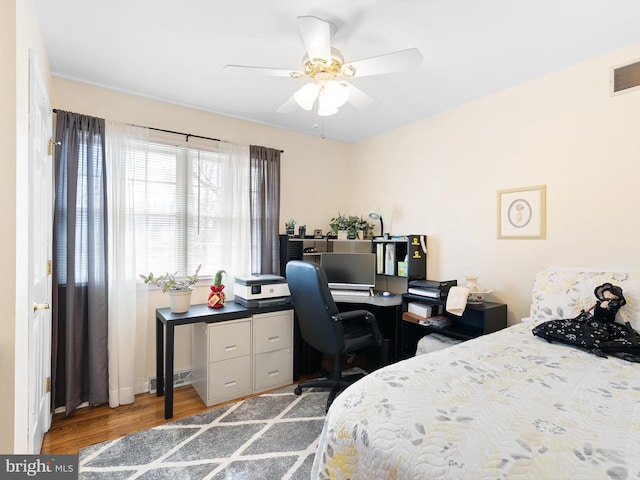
[(298, 390)]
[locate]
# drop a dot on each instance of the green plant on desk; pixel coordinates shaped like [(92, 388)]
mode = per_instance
[(290, 227), (352, 224), (169, 281)]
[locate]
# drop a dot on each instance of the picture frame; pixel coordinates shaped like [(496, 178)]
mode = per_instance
[(522, 212)]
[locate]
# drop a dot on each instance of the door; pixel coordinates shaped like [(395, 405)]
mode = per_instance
[(40, 244)]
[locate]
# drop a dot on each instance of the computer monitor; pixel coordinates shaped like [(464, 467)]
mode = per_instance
[(349, 271)]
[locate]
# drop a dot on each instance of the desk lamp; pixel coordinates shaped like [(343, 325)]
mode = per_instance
[(375, 215)]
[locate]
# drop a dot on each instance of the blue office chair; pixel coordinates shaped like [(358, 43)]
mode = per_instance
[(326, 329)]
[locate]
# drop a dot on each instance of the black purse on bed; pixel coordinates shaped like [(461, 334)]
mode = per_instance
[(597, 333)]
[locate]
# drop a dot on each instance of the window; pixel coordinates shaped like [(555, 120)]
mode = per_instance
[(84, 209), (189, 204)]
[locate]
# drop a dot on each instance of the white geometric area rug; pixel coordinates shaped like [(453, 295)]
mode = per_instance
[(272, 436)]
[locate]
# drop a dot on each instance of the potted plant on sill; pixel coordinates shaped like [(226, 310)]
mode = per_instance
[(179, 289), (217, 295)]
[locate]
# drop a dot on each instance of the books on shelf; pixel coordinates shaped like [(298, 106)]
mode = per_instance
[(380, 258)]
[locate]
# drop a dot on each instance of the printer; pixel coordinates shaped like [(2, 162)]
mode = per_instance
[(261, 291)]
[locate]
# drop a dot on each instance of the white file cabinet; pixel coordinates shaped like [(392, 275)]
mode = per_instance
[(235, 358), (222, 360), (273, 350)]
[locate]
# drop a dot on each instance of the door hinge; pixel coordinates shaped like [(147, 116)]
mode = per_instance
[(47, 385), (51, 145), (49, 267)]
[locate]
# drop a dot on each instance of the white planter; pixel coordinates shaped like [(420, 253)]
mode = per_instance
[(180, 300), (342, 234)]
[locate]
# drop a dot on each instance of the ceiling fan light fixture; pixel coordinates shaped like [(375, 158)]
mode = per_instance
[(325, 107), (328, 74), (306, 96), (330, 95), (337, 92)]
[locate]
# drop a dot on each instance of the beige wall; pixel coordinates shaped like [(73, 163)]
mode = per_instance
[(440, 176), (19, 34), (8, 219)]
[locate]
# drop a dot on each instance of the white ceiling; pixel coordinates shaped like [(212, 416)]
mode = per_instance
[(176, 50)]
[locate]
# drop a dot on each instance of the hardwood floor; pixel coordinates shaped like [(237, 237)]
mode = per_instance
[(88, 426)]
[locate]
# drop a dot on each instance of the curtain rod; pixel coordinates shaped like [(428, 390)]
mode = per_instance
[(187, 135)]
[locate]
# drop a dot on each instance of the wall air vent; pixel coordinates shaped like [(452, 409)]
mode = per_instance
[(625, 78)]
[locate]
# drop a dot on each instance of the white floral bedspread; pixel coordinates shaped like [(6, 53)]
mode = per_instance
[(507, 405)]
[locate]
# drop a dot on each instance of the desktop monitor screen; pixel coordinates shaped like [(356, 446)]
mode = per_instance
[(349, 271)]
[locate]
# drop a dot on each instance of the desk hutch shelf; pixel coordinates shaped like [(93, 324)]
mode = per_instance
[(476, 320), (407, 249)]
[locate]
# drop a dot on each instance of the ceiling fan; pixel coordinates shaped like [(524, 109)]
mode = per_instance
[(325, 66)]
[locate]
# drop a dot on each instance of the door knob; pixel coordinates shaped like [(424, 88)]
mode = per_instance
[(40, 306)]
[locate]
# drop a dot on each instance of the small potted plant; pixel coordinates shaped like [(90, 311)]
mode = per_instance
[(290, 227), (217, 295), (338, 225), (350, 226), (179, 289), (359, 228)]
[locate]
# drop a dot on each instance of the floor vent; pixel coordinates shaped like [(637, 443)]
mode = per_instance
[(179, 379), (625, 78)]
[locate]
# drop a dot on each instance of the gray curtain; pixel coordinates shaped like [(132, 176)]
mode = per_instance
[(265, 209), (79, 336)]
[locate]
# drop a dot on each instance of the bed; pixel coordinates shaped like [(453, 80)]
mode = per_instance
[(505, 405)]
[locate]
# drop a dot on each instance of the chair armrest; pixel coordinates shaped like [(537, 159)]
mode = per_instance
[(369, 317), (354, 314)]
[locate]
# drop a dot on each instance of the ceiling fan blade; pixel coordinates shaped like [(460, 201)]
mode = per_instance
[(288, 106), (316, 35), (262, 71), (359, 99), (399, 61)]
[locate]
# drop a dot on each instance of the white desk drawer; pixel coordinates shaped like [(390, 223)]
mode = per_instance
[(273, 369), (229, 379), (273, 331), (229, 340)]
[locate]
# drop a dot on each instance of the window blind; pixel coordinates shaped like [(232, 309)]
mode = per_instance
[(187, 205)]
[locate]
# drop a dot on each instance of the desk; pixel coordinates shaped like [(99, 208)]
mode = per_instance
[(376, 300), (166, 321)]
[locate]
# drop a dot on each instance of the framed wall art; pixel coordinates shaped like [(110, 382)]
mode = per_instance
[(522, 212)]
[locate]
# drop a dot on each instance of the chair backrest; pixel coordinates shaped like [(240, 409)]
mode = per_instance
[(314, 307)]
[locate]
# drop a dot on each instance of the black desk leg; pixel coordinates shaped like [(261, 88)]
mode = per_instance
[(168, 396), (159, 358)]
